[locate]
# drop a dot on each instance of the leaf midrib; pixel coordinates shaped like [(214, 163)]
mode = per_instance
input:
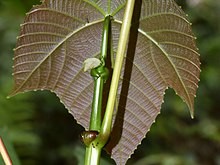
[(172, 64), (167, 56)]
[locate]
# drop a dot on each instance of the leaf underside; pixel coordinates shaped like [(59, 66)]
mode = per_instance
[(59, 35)]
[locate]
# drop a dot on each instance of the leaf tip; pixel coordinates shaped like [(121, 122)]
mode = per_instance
[(10, 96), (191, 112), (16, 91), (13, 93)]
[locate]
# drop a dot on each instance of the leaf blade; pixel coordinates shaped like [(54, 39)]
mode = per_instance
[(161, 56), (50, 54)]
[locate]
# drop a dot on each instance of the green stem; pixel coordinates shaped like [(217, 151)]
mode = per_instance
[(105, 37), (93, 155), (123, 39), (95, 119), (100, 75)]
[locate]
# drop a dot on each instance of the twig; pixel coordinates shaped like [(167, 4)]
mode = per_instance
[(4, 153)]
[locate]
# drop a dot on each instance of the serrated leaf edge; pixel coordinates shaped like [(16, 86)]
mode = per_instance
[(50, 53)]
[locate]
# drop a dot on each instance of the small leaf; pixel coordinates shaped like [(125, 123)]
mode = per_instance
[(91, 63)]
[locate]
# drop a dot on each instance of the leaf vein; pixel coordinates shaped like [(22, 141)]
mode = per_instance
[(136, 87), (177, 44), (179, 57), (35, 43), (41, 33), (170, 30), (29, 53), (135, 102), (188, 72), (140, 70), (164, 13), (50, 53), (58, 12), (47, 23), (118, 9), (61, 70), (167, 56), (96, 7)]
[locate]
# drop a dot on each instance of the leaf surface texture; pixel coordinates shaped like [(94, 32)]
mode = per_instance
[(59, 35)]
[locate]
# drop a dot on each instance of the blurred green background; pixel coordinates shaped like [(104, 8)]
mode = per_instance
[(42, 131)]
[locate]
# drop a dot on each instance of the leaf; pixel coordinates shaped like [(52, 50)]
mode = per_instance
[(59, 35), (91, 63)]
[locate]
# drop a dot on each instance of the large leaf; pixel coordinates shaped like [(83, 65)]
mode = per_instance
[(59, 35)]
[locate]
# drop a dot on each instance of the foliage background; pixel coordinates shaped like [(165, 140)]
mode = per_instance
[(43, 132)]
